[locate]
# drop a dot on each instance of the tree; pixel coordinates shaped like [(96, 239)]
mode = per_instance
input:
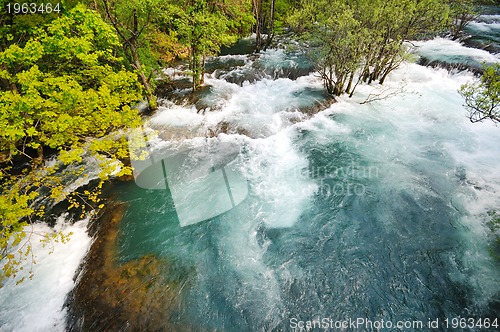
[(338, 48), (482, 99), (270, 32), (268, 15), (154, 32), (63, 91), (130, 20), (462, 12), (257, 12), (16, 29), (207, 25), (390, 24), (364, 38), (332, 32)]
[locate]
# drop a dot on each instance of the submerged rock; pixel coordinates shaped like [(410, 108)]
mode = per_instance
[(110, 296)]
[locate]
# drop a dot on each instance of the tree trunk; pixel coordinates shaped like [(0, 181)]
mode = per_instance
[(389, 68), (350, 84), (270, 34), (330, 88), (131, 44), (144, 80), (257, 7), (202, 74), (195, 66)]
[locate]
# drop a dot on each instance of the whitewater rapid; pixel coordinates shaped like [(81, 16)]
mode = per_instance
[(37, 304), (376, 205), (306, 242)]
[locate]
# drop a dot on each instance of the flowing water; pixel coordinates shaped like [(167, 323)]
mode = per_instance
[(484, 32), (37, 304), (375, 207)]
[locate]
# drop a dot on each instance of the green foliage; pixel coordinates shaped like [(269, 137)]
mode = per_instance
[(63, 89), (482, 99), (19, 28), (63, 86), (462, 12), (364, 38), (204, 26), (283, 9), (155, 32), (131, 21), (17, 212), (334, 33)]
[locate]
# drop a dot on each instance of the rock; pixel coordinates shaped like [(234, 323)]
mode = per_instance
[(111, 296), (174, 90)]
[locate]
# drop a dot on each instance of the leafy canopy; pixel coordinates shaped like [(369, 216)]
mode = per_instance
[(64, 85), (63, 90), (363, 38), (482, 99)]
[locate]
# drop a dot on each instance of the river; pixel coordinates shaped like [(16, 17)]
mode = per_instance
[(375, 207)]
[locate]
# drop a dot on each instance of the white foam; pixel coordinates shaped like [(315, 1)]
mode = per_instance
[(483, 26), (429, 107), (447, 50), (177, 116), (256, 107), (37, 304), (275, 174), (262, 108), (488, 18), (429, 117)]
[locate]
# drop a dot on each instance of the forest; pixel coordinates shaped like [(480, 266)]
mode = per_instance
[(73, 73)]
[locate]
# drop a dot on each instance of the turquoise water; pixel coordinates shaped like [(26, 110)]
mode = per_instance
[(481, 34), (374, 211), (485, 30)]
